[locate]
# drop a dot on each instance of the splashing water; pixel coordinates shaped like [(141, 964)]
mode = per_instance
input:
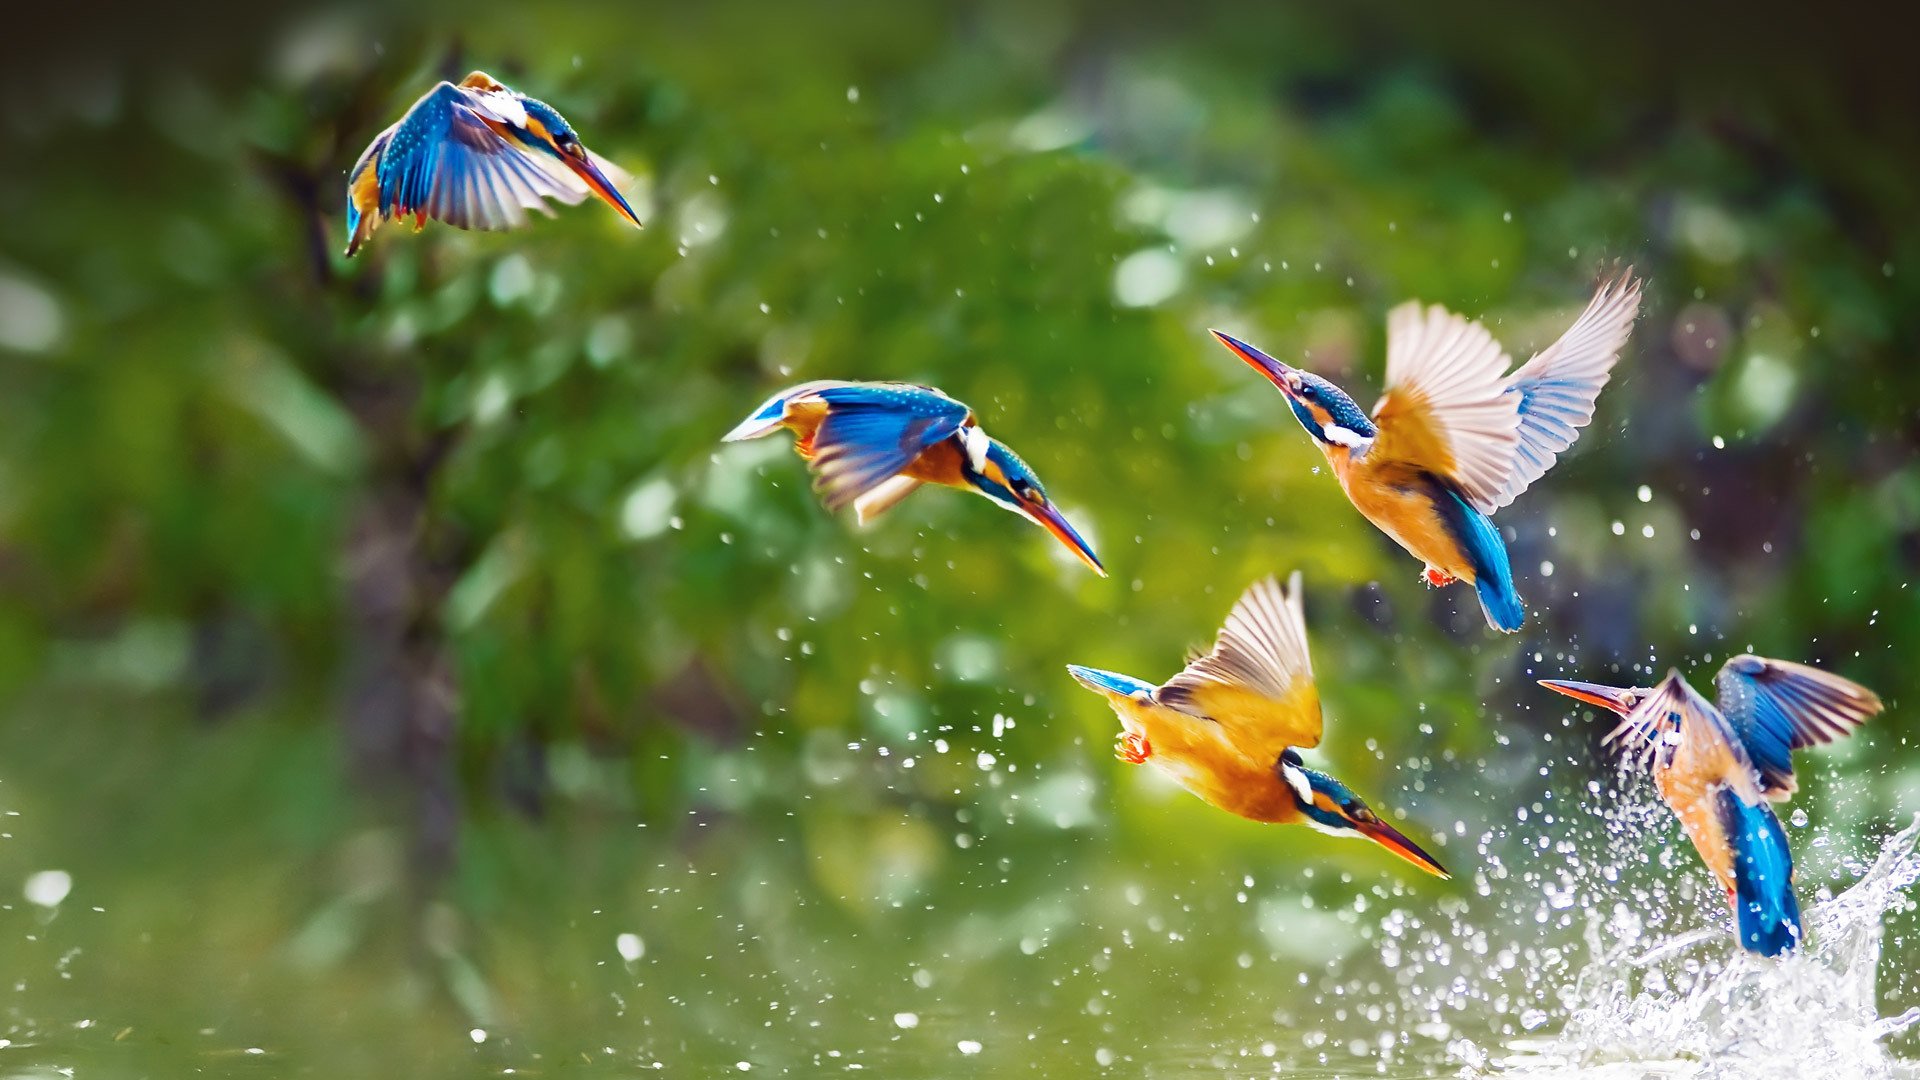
[(1686, 1007)]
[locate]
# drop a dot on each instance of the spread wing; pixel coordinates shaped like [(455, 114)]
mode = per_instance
[(1674, 718), (1257, 683), (1777, 707), (448, 159), (1555, 390), (1446, 409), (874, 430)]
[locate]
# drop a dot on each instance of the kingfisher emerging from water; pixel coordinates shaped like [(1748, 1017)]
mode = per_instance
[(475, 155), (1454, 437), (872, 444), (1721, 768), (1230, 727)]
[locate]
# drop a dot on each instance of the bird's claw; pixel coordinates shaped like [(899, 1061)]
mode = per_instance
[(1132, 748), (1437, 578)]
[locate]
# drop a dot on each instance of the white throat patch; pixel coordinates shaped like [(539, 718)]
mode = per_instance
[(975, 443), (1346, 437), (1297, 780)]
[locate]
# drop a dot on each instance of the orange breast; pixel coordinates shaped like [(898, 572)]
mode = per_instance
[(1704, 765), (941, 463), (1399, 502), (1694, 800), (1199, 757)]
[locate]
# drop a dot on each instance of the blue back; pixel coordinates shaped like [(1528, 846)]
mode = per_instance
[(411, 157), (902, 398), (1480, 539), (1765, 909)]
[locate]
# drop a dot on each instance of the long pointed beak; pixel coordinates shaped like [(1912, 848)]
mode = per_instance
[(598, 182), (1045, 516), (1393, 840), (1275, 371), (1607, 697)]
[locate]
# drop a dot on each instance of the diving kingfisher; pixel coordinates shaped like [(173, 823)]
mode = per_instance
[(1454, 437), (872, 444), (475, 155), (1230, 727), (1720, 769)]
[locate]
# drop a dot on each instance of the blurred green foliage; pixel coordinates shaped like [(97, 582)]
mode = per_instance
[(429, 566)]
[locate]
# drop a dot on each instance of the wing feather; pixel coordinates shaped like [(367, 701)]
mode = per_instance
[(1257, 681), (1675, 719), (1445, 409), (448, 160), (1777, 707), (1555, 391), (874, 430)]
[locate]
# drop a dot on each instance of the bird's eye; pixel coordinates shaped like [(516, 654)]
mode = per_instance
[(1023, 490)]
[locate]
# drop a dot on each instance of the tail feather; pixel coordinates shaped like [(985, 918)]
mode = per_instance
[(1110, 682), (772, 412), (1500, 602), (1764, 907), (1480, 538)]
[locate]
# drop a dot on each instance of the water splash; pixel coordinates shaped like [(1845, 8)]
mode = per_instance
[(1691, 1006)]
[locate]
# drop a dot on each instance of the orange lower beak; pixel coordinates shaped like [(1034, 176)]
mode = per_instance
[(1044, 515), (1391, 838), (1607, 697), (598, 183)]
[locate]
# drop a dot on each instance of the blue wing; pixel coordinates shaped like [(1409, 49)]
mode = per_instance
[(1777, 707), (1558, 387), (443, 160), (1764, 907), (874, 430)]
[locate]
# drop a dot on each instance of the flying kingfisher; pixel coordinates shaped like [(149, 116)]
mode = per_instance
[(476, 155), (1721, 767), (1454, 437), (1230, 727), (872, 444)]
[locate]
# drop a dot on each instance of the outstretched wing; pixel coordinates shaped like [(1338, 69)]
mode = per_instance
[(1446, 409), (874, 430), (1677, 727), (449, 160), (1777, 707), (1555, 390), (1257, 682)]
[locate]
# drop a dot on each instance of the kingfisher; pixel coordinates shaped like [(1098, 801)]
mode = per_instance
[(475, 155), (872, 444), (1721, 767), (1454, 437), (1231, 725)]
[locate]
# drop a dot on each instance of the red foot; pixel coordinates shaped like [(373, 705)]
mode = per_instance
[(1132, 748), (1437, 578)]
